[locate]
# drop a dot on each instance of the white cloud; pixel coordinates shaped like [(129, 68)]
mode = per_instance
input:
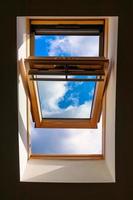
[(66, 140), (73, 141), (84, 140), (75, 46), (51, 93), (74, 99), (79, 111), (91, 93), (38, 37)]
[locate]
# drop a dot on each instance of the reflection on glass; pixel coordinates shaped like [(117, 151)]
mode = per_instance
[(66, 99)]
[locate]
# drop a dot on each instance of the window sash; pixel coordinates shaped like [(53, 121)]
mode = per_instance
[(69, 123), (96, 26)]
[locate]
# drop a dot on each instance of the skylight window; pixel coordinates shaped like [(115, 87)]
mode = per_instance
[(71, 99), (42, 133), (66, 73)]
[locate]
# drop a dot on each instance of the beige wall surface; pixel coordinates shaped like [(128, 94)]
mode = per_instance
[(66, 170)]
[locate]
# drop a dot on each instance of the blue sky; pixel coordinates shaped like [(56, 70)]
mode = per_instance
[(76, 98), (53, 45), (66, 99)]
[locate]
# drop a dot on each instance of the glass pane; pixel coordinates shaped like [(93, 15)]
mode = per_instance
[(84, 77), (66, 141), (49, 77), (63, 77), (66, 99), (60, 45)]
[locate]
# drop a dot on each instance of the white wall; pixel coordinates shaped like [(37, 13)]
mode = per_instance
[(68, 170), (111, 96), (22, 98), (78, 171)]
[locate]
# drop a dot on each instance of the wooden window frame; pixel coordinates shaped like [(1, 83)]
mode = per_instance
[(32, 86), (40, 122), (61, 22), (100, 86)]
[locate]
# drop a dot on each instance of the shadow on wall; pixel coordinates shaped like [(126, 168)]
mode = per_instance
[(21, 31), (23, 126), (23, 131), (64, 171), (23, 75)]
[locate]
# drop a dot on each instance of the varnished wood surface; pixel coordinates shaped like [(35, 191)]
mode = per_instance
[(67, 156)]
